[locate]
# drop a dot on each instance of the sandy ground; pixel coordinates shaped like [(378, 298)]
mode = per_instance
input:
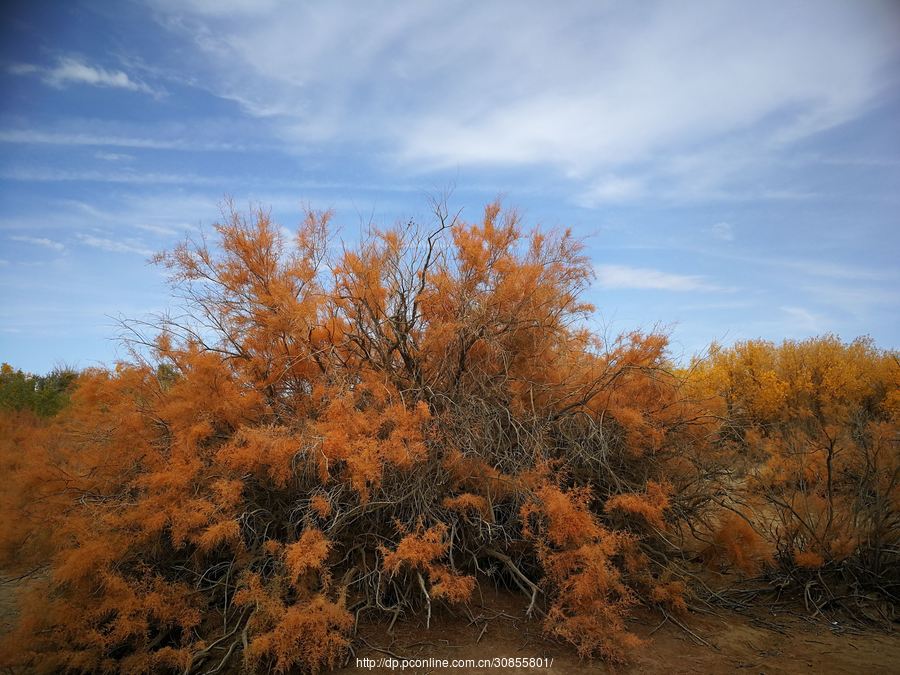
[(765, 643), (762, 643)]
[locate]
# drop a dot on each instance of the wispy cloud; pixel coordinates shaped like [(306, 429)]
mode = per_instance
[(612, 189), (114, 156), (222, 7), (114, 245), (595, 90), (858, 301), (42, 175), (160, 230), (642, 278), (803, 321), (722, 231), (41, 137), (832, 270), (39, 241), (823, 268), (119, 215), (72, 70)]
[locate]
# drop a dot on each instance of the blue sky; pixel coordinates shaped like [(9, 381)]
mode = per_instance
[(734, 167)]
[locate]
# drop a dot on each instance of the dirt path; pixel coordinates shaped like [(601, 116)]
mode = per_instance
[(770, 644), (773, 644)]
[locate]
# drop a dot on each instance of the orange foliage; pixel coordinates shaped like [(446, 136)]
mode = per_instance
[(307, 553), (420, 551), (590, 596), (736, 544), (469, 503), (243, 480), (368, 429), (808, 560), (820, 414), (310, 633), (321, 505), (648, 505)]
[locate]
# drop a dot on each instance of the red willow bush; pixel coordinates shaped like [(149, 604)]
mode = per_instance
[(323, 437)]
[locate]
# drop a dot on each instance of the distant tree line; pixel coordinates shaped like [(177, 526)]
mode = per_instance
[(42, 395)]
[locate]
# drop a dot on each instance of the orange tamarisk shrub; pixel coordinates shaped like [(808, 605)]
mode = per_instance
[(591, 599), (321, 505), (818, 423), (369, 429), (311, 440), (310, 630), (736, 544), (420, 551), (649, 505), (469, 503)]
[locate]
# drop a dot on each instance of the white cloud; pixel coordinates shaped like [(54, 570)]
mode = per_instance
[(722, 231), (641, 278), (857, 301), (23, 69), (121, 214), (39, 241), (612, 189), (40, 137), (42, 175), (220, 7), (593, 90), (804, 321), (114, 156), (70, 70), (833, 270), (158, 229), (116, 246)]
